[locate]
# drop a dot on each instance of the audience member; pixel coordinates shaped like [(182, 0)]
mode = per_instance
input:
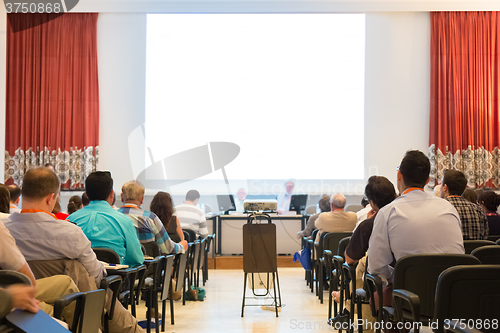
[(74, 204), (363, 213), (414, 223), (337, 220), (163, 207), (473, 220), (114, 201), (4, 201), (104, 226), (470, 195), (40, 235), (148, 226), (324, 206), (190, 216), (437, 190), (85, 199), (57, 211), (240, 199), (380, 192), (489, 202), (285, 197), (15, 196)]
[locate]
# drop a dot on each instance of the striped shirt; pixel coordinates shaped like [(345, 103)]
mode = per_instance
[(191, 217), (149, 228), (474, 220)]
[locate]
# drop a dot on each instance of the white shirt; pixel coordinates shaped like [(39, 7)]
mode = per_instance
[(239, 205), (191, 217), (14, 209), (284, 202), (363, 213), (415, 223)]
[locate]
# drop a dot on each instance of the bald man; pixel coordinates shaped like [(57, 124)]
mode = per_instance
[(337, 220)]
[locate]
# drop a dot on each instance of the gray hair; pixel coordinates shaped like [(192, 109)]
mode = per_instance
[(133, 190), (338, 200)]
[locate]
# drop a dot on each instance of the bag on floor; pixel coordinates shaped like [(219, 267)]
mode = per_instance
[(304, 257), (195, 294)]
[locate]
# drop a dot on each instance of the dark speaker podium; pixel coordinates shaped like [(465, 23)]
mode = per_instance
[(259, 256)]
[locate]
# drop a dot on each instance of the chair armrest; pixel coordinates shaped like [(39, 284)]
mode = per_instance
[(107, 281), (62, 301), (400, 295), (374, 283)]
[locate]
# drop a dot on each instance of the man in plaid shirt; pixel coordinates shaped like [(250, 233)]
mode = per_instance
[(147, 224), (473, 219)]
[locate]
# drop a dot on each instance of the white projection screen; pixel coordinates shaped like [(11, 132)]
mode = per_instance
[(286, 89)]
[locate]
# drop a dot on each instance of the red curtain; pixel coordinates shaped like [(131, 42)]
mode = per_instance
[(52, 103), (464, 119)]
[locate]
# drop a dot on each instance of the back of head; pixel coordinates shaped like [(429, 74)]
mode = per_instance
[(85, 199), (39, 183), (15, 192), (74, 204), (4, 199), (415, 168), (163, 207), (192, 195), (324, 203), (455, 181), (470, 195), (490, 200), (364, 201), (57, 208), (380, 190), (99, 185), (132, 191), (338, 201)]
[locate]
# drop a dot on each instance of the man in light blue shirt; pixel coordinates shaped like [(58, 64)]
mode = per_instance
[(104, 226)]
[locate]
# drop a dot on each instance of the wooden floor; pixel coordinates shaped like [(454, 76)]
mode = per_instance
[(221, 310)]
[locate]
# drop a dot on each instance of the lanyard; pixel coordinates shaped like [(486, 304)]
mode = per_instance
[(409, 189), (38, 211)]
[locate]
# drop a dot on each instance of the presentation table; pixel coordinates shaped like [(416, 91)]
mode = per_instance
[(229, 233)]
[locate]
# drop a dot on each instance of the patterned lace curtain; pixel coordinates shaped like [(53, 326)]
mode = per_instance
[(52, 104), (464, 114)]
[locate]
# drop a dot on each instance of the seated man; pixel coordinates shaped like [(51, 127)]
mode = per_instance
[(190, 216), (337, 220), (415, 223), (15, 196), (40, 235), (379, 192), (324, 206), (104, 226), (147, 224), (284, 198), (473, 219)]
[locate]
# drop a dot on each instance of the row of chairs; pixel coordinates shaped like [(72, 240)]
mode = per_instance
[(420, 275)]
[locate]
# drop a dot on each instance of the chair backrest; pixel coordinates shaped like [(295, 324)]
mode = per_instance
[(152, 249), (106, 255), (167, 276), (318, 246), (189, 235), (92, 311), (210, 238), (419, 274), (342, 246), (196, 255), (12, 277), (201, 260), (311, 210), (332, 240), (353, 208), (497, 242), (71, 267), (488, 255), (493, 238), (470, 245), (471, 293), (180, 270)]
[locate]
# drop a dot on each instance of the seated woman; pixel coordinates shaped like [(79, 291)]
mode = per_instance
[(163, 207), (489, 202), (74, 204)]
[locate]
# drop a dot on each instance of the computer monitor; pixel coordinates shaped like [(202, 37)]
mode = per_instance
[(298, 202), (225, 202)]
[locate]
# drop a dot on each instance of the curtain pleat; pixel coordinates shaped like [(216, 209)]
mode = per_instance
[(52, 103)]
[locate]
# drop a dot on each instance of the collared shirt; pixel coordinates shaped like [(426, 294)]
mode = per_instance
[(40, 236), (335, 221), (10, 256), (239, 205), (149, 228), (473, 219), (14, 209), (415, 223), (191, 217), (105, 227), (284, 201)]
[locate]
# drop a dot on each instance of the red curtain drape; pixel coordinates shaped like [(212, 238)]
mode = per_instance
[(52, 103), (464, 119)]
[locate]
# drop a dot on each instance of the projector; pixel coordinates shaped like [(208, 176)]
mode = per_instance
[(257, 205)]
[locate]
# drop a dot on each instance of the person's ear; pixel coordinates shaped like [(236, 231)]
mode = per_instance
[(121, 197)]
